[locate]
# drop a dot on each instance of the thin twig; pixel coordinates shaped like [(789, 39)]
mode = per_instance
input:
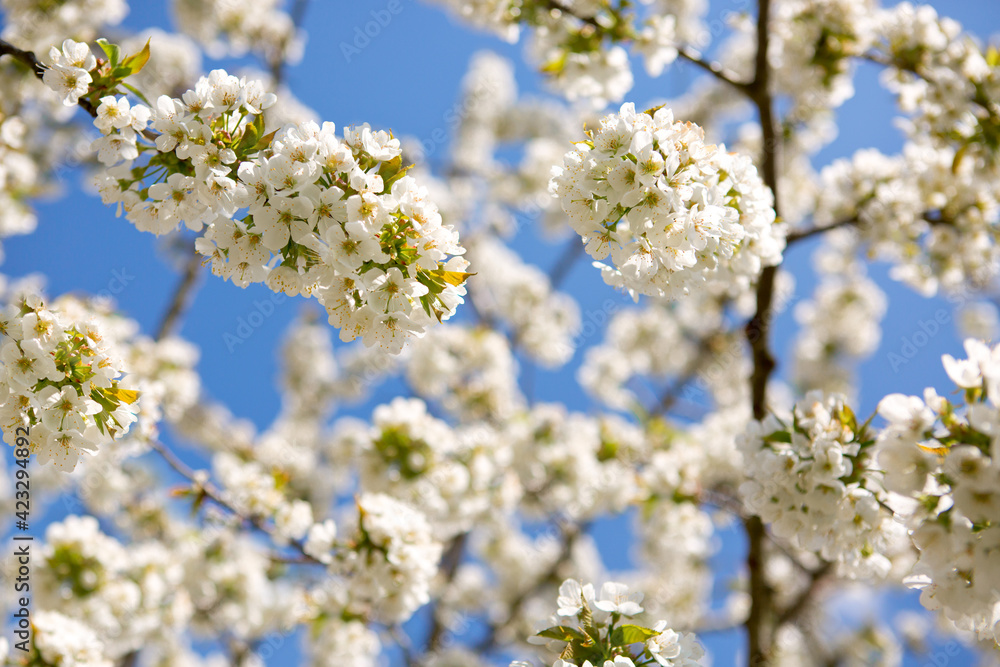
[(795, 608), (566, 260), (449, 567), (713, 68), (206, 489), (182, 297), (795, 237)]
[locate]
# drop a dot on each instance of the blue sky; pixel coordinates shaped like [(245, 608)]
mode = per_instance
[(407, 78)]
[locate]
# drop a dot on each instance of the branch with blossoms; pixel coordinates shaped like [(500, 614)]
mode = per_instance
[(442, 480)]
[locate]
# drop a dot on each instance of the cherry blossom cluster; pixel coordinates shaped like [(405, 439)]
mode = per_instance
[(675, 214), (471, 371), (817, 40), (942, 78), (27, 113), (676, 536), (450, 474), (62, 640), (62, 380), (932, 216), (124, 595), (592, 631), (809, 480), (944, 456), (392, 560), (334, 218), (570, 462)]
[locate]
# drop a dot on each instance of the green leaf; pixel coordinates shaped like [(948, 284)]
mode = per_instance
[(251, 136), (265, 141), (433, 284), (455, 278), (112, 51), (103, 400), (779, 436), (848, 418), (392, 171), (564, 633), (387, 182), (388, 169), (992, 56), (631, 634), (130, 396), (137, 61), (652, 112), (556, 65)]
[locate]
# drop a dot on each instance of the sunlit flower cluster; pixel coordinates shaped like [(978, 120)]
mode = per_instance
[(60, 379), (675, 214), (603, 636), (392, 560), (334, 218), (810, 481), (944, 456)]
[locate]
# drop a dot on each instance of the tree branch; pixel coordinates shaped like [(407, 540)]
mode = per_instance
[(26, 57), (566, 260), (759, 620), (449, 567), (795, 237), (32, 61), (182, 296)]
